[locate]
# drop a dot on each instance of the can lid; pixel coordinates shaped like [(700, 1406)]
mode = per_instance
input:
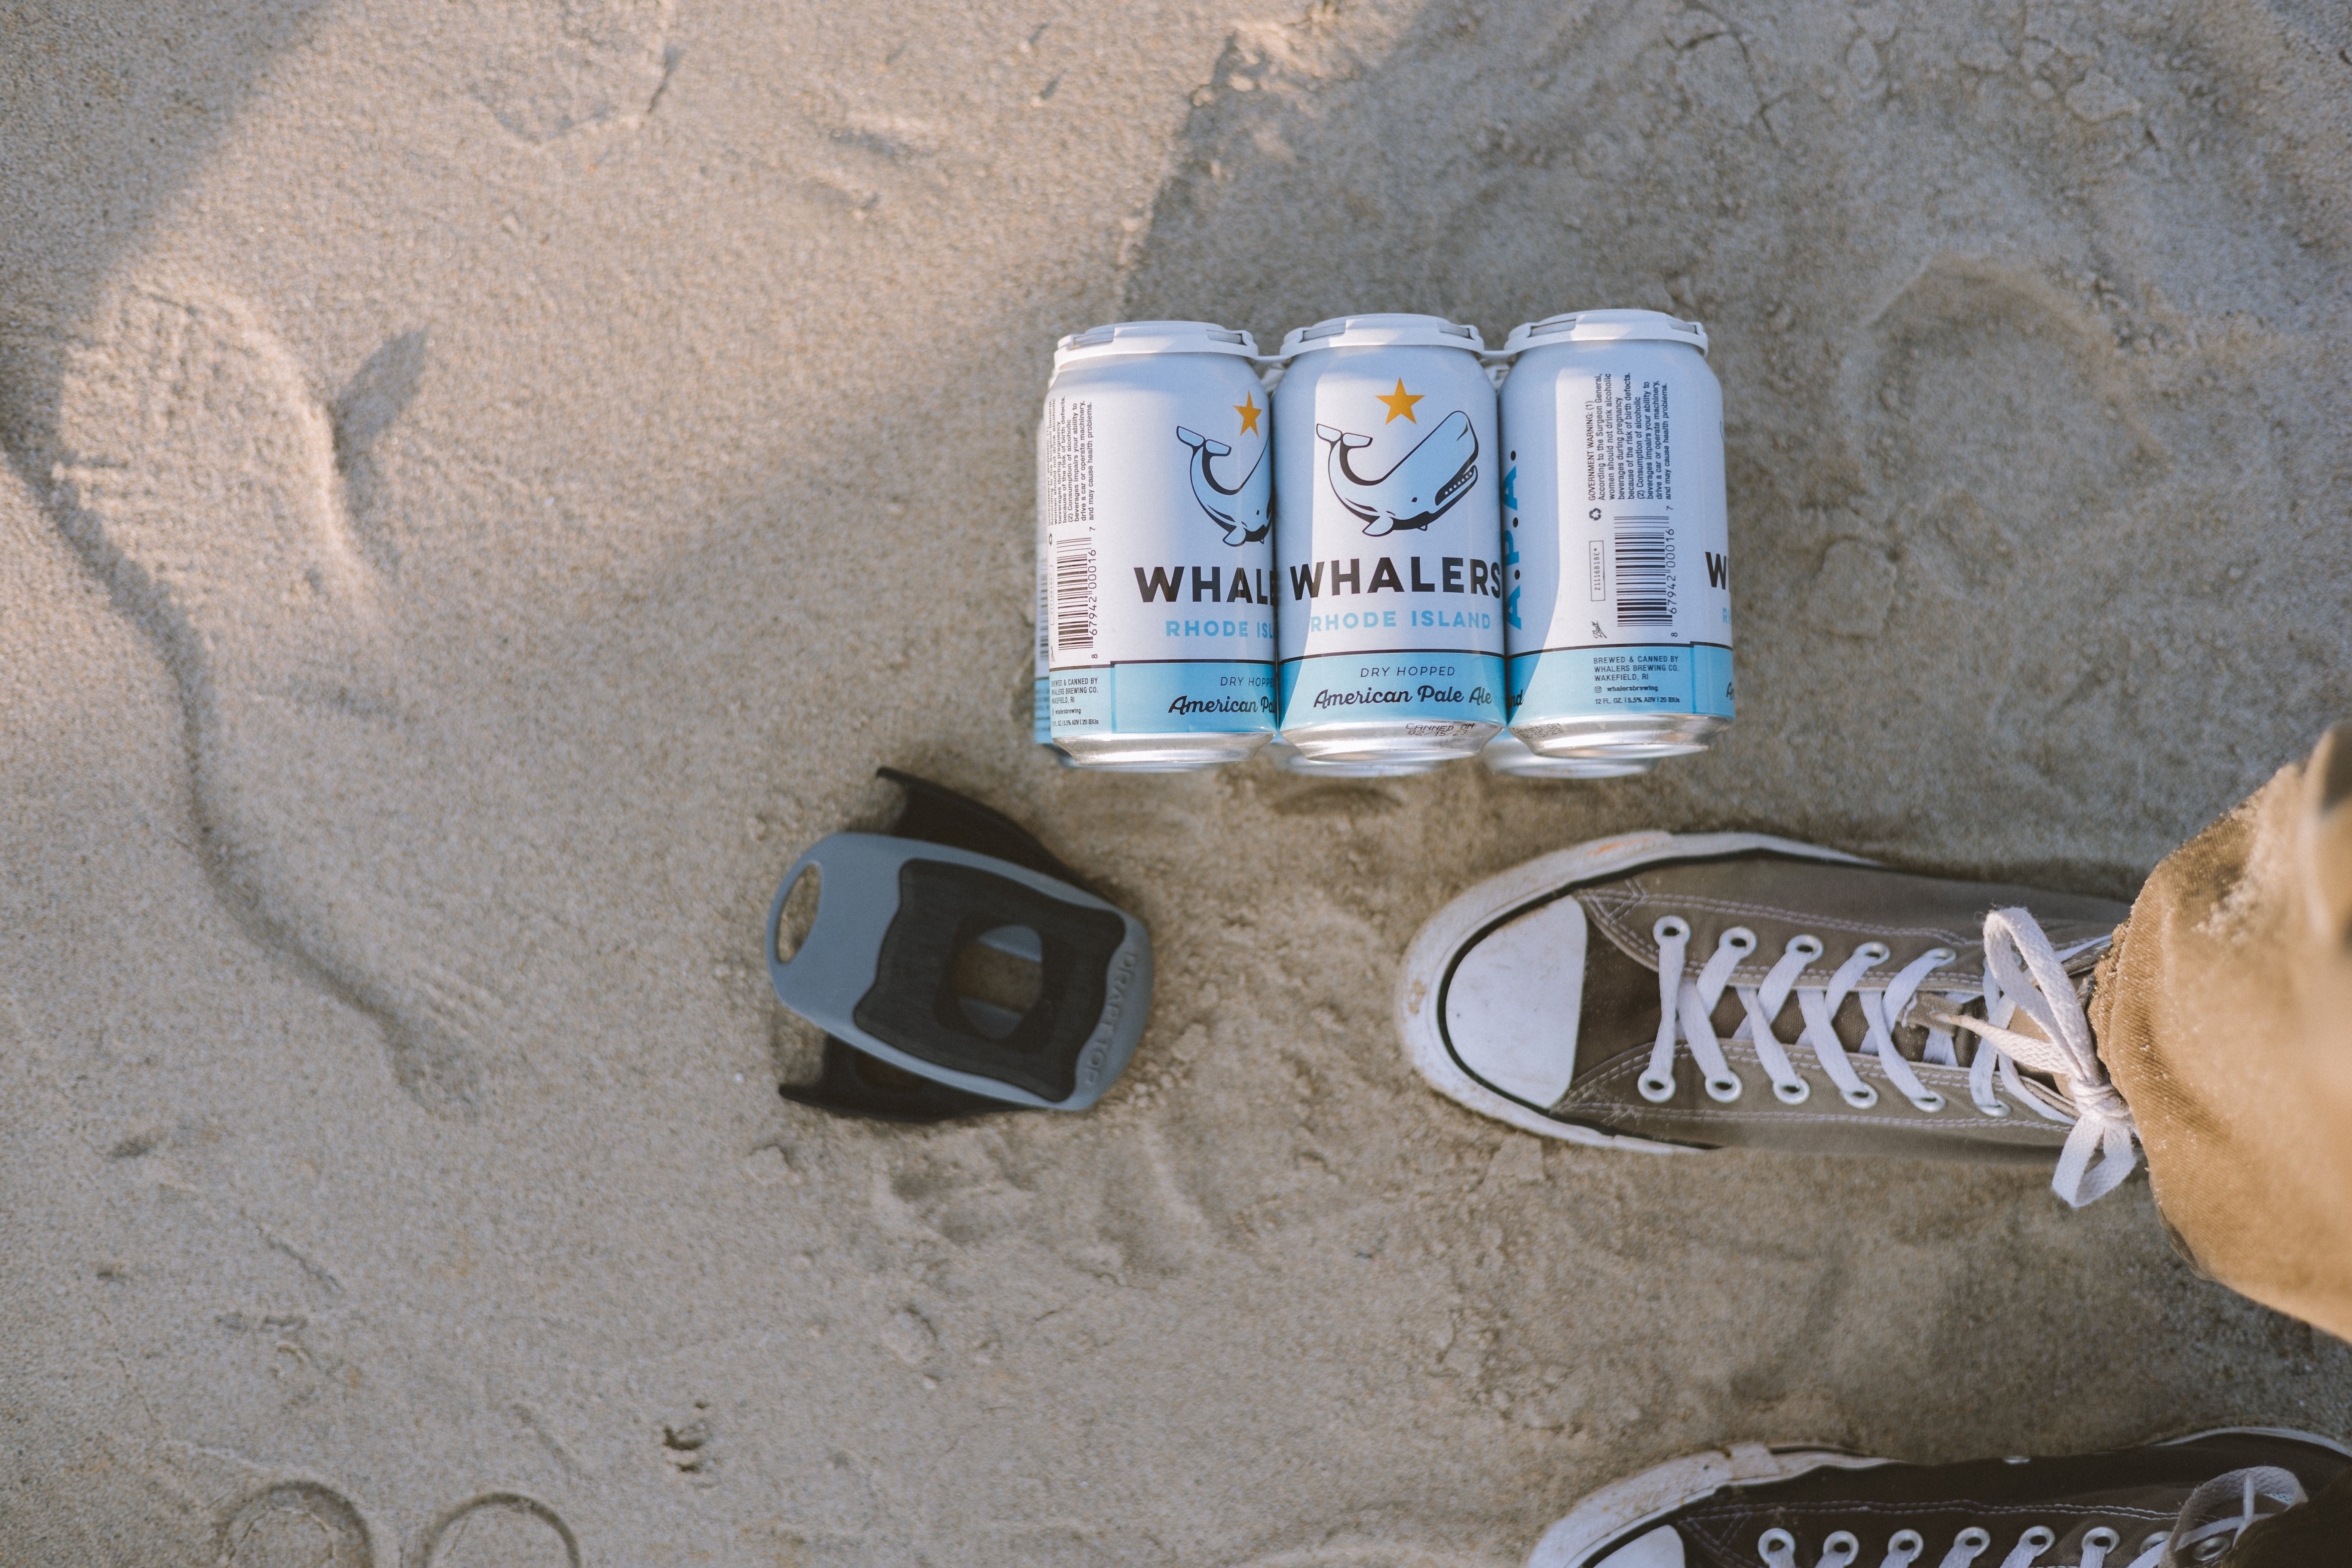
[(1153, 338), (1383, 332), (1605, 327)]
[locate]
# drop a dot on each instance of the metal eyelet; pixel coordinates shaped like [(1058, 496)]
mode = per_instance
[(1862, 1097), (1739, 939), (1656, 1090), (2103, 1538), (1976, 1538), (1930, 1102), (1724, 1089), (1840, 1549), (1796, 1092), (1670, 926), (2039, 1538), (1906, 1544), (1991, 1108), (1877, 952), (1806, 945)]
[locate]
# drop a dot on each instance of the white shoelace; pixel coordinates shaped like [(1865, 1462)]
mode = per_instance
[(2225, 1506), (2022, 974)]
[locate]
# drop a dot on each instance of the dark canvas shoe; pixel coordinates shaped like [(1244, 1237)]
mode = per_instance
[(2171, 1505), (1667, 991)]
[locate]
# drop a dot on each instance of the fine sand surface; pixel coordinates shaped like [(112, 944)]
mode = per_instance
[(488, 481)]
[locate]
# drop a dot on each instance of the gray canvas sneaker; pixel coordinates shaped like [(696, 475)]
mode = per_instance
[(2201, 1500), (1677, 992)]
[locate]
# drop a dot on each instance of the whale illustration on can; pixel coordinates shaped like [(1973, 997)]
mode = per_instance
[(1417, 491), (1242, 512), (1383, 426)]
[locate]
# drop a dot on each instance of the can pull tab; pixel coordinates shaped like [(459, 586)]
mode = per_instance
[(882, 969)]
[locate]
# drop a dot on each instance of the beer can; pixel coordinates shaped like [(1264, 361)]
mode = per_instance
[(1388, 541), (1155, 560), (1509, 757), (1618, 620)]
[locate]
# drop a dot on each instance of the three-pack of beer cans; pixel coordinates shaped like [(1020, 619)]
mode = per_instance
[(1385, 548)]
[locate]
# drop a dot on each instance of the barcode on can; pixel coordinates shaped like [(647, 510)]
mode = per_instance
[(1075, 620), (1644, 552)]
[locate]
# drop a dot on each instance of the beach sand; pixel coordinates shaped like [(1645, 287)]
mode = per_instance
[(487, 484)]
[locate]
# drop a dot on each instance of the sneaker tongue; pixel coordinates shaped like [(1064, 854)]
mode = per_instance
[(2082, 967), (1925, 1008)]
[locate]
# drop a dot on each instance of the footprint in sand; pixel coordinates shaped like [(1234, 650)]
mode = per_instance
[(1125, 1214), (295, 1524), (500, 1530), (561, 66), (186, 456), (1985, 383)]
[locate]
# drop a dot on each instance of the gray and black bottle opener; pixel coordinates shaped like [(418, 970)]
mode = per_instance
[(893, 912)]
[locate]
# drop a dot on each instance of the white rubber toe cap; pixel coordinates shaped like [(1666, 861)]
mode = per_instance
[(1511, 1009), (1661, 1548)]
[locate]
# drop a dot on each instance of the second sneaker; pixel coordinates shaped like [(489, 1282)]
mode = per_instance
[(2180, 1504)]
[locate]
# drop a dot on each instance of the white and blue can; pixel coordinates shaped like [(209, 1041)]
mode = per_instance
[(1615, 537), (1388, 541), (1155, 560)]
